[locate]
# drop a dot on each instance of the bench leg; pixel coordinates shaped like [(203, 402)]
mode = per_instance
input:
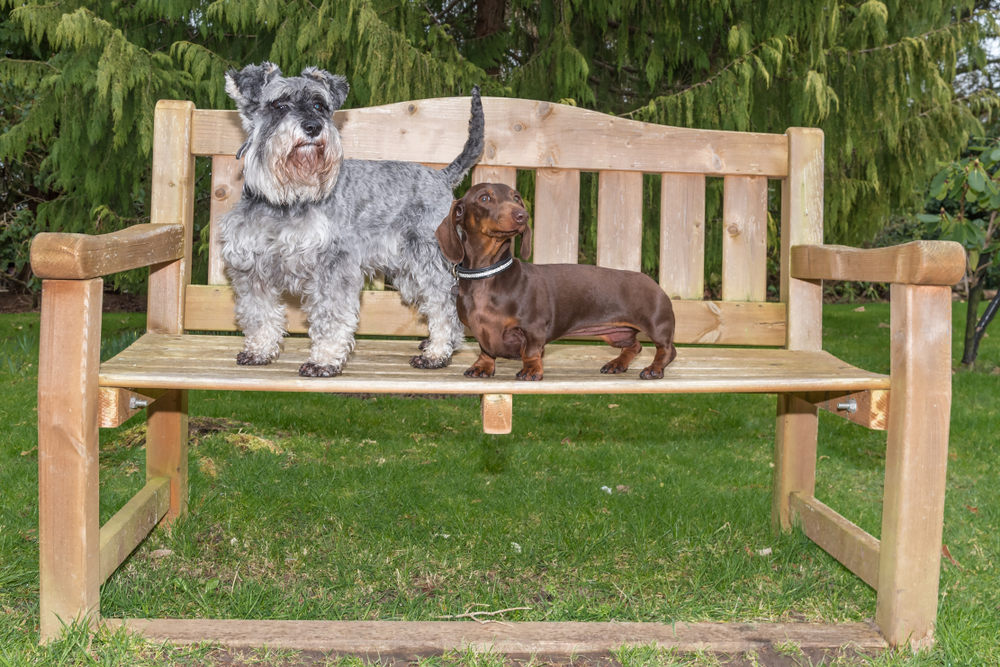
[(794, 456), (167, 447), (68, 446), (915, 464)]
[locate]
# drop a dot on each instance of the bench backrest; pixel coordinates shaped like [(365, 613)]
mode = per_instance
[(558, 142)]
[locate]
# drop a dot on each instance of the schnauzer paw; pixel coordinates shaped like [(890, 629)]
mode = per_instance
[(423, 344), (651, 374), (524, 374), (476, 372), (311, 369), (613, 368), (245, 358), (424, 362)]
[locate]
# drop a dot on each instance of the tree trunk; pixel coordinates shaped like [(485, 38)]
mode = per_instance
[(971, 319), (490, 20)]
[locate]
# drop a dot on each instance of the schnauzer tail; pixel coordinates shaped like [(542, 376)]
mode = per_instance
[(456, 171)]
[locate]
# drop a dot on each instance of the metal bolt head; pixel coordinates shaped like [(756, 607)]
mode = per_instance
[(850, 406)]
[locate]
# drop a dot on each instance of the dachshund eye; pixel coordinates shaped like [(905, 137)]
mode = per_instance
[(517, 198), (484, 198)]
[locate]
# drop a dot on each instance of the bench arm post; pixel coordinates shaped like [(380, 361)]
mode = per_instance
[(915, 464), (68, 503)]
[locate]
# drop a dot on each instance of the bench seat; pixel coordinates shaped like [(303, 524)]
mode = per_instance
[(160, 361)]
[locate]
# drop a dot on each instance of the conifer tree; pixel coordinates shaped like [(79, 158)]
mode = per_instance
[(875, 75)]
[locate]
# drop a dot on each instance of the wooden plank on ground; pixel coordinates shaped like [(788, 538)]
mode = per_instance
[(227, 188), (208, 362), (81, 256), (556, 224), (132, 523), (682, 235), (916, 463), (527, 134), (210, 308), (914, 263), (68, 443), (854, 548), (410, 639), (619, 220), (744, 239)]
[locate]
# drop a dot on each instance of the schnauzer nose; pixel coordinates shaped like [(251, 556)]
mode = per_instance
[(312, 127)]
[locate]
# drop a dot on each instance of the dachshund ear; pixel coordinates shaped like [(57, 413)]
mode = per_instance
[(526, 243), (447, 234)]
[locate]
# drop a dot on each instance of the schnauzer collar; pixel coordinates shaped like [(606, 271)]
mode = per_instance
[(485, 272)]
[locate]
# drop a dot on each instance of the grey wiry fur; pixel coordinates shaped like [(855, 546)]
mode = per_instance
[(312, 223)]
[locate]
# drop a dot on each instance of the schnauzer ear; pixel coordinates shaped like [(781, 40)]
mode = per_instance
[(247, 85), (526, 243), (447, 234), (336, 84)]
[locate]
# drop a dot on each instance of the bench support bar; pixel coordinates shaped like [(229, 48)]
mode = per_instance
[(854, 548), (132, 523), (870, 407), (117, 405)]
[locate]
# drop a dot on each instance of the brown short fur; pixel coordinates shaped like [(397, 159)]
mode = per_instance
[(515, 313)]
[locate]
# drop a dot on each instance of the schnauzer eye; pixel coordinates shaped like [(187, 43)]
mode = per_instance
[(279, 105), (319, 106)]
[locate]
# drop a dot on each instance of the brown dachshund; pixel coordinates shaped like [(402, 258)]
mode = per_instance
[(514, 309)]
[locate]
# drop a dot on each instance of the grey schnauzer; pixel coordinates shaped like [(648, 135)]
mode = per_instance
[(314, 224)]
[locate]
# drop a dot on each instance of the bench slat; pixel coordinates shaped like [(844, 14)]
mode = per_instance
[(527, 134), (556, 232), (227, 188), (744, 239), (619, 220), (682, 235), (490, 174), (208, 362), (210, 308)]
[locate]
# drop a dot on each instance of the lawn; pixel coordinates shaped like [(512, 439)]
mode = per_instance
[(332, 507)]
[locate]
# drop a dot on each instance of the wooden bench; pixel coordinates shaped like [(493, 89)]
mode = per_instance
[(77, 394)]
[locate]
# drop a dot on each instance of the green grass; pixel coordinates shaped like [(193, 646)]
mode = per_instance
[(394, 508)]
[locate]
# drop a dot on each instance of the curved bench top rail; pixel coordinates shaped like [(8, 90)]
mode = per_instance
[(527, 134)]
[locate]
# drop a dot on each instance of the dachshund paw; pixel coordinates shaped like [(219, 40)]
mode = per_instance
[(613, 368), (424, 362), (650, 374), (476, 372), (524, 374), (245, 358), (311, 369)]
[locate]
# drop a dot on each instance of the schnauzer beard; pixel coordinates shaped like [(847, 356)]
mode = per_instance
[(294, 167)]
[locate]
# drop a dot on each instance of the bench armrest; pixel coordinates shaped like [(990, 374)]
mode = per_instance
[(914, 263), (82, 256)]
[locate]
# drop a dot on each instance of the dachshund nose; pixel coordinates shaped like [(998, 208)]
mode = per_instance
[(312, 127), (520, 216)]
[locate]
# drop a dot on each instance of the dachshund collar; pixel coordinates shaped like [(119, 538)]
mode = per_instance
[(485, 272)]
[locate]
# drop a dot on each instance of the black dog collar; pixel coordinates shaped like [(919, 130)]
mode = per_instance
[(485, 272)]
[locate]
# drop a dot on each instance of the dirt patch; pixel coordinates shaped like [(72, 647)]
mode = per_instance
[(112, 303)]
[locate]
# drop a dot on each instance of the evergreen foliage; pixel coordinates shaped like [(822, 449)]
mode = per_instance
[(875, 75)]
